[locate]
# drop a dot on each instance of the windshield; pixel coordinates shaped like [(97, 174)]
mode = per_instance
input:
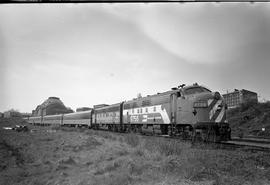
[(195, 90)]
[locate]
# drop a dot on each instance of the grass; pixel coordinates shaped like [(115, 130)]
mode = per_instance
[(107, 158), (153, 159), (132, 139), (10, 151), (172, 157)]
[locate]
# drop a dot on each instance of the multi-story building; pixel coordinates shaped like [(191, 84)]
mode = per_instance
[(238, 97)]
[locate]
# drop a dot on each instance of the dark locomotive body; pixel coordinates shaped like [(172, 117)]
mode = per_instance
[(108, 116), (189, 112)]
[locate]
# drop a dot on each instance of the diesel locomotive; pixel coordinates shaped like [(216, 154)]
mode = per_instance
[(186, 111)]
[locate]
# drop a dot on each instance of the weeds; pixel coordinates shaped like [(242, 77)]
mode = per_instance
[(104, 134), (129, 159), (65, 163), (165, 147), (117, 178), (56, 127), (91, 143), (11, 151), (108, 168), (132, 139)]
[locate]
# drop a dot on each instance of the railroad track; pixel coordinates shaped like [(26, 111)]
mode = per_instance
[(250, 143), (247, 145), (252, 140), (231, 145)]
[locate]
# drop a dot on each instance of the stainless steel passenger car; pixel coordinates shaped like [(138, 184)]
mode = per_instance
[(78, 118), (35, 120), (52, 119)]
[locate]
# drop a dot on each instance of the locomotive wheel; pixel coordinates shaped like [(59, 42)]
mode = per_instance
[(184, 135), (193, 136), (133, 129), (212, 137), (171, 130), (109, 127), (115, 129), (124, 128), (139, 129), (164, 129), (196, 136)]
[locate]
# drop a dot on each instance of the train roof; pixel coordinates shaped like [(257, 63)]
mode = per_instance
[(109, 106), (32, 117), (51, 116), (78, 113), (153, 96), (174, 90)]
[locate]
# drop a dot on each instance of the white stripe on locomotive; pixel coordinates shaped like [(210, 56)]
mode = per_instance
[(210, 101), (221, 114), (214, 109), (150, 110)]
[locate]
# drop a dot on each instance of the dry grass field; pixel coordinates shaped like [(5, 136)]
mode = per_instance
[(69, 156)]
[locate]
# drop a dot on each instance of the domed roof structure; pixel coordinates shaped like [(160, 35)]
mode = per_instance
[(51, 106)]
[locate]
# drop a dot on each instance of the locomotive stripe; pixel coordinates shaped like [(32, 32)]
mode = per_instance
[(223, 119), (213, 102), (214, 117), (209, 102), (221, 115), (214, 109), (158, 110)]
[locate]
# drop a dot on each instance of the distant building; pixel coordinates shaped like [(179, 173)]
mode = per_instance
[(238, 97), (25, 114), (51, 106), (100, 106), (80, 109), (1, 115), (11, 114)]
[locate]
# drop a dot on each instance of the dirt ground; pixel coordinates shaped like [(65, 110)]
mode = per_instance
[(68, 156)]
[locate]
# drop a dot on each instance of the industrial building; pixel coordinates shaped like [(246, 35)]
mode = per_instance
[(238, 97)]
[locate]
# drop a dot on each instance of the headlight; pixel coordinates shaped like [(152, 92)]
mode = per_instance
[(217, 96), (200, 104)]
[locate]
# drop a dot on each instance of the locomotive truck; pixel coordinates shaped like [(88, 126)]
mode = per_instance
[(186, 111)]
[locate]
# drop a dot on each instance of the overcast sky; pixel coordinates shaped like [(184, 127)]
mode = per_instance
[(88, 54)]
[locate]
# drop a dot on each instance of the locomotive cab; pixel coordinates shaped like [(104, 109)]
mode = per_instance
[(202, 111)]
